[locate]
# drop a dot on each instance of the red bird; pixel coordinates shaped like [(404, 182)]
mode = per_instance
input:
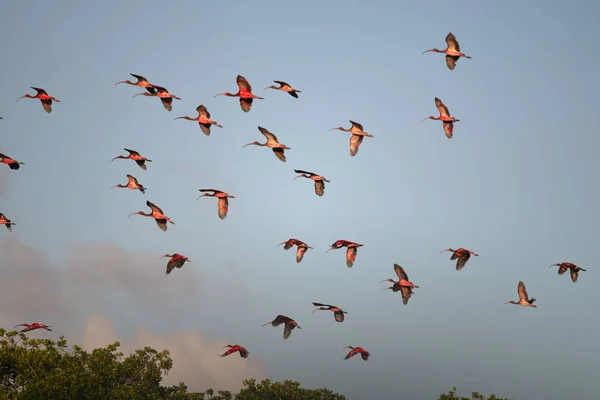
[(135, 156), (203, 119), (285, 87), (42, 95), (32, 327), (165, 97), (444, 117), (338, 313), (319, 180), (357, 136), (350, 253), (357, 350), (403, 284), (141, 82), (7, 222), (176, 261), (574, 269), (157, 214), (452, 51), (223, 200), (302, 247), (12, 163), (290, 324), (244, 93), (463, 256), (132, 183), (272, 142), (232, 349)]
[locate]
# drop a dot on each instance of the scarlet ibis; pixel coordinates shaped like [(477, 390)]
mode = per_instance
[(444, 117), (463, 256), (223, 200), (132, 183), (233, 348), (452, 51), (357, 350), (244, 93), (32, 327), (302, 247), (12, 163), (403, 284), (141, 82), (290, 324), (203, 119), (319, 180), (43, 96), (176, 261), (352, 250), (338, 313), (524, 299), (157, 214), (272, 142), (7, 222), (165, 97), (357, 136), (562, 268), (285, 87), (135, 156)]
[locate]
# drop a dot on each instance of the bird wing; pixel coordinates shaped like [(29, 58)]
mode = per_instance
[(154, 207), (351, 354), (293, 93), (365, 355), (40, 91), (47, 104), (319, 188), (300, 253), (299, 171), (132, 180), (355, 141), (287, 331), (282, 83), (243, 83), (141, 164), (270, 136), (280, 153), (162, 224), (160, 89), (132, 152), (211, 190), (243, 352), (561, 270), (339, 316), (321, 304), (574, 274), (462, 260), (406, 293), (357, 125), (167, 103), (400, 272), (442, 108), (451, 61), (452, 42), (173, 263), (522, 292), (202, 111), (139, 78), (223, 207), (351, 256), (245, 104), (449, 129), (281, 319), (289, 244), (205, 128)]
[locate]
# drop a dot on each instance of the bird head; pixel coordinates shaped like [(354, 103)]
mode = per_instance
[(253, 143), (202, 195), (339, 128), (227, 346), (430, 117)]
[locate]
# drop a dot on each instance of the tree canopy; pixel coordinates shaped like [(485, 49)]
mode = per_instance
[(474, 396)]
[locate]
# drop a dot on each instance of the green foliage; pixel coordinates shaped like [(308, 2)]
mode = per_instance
[(288, 390), (474, 396)]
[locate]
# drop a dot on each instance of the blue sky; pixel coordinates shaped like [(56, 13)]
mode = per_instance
[(517, 183)]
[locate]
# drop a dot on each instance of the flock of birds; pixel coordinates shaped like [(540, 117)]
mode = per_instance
[(246, 98)]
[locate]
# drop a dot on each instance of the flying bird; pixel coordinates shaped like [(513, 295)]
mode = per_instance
[(562, 268), (403, 284), (141, 82), (165, 97), (357, 350), (244, 93), (233, 348), (176, 261), (6, 222), (135, 156), (132, 183), (32, 327), (43, 96), (203, 119), (338, 313), (462, 255), (524, 299), (352, 250), (272, 142), (223, 200), (452, 51), (12, 163), (157, 214), (357, 136), (444, 117), (290, 324), (319, 180), (285, 87), (302, 247)]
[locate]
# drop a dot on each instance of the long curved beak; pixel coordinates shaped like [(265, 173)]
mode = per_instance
[(333, 248), (114, 187), (56, 100), (332, 129), (426, 51), (268, 323), (220, 94), (226, 346), (299, 176), (131, 214), (388, 288), (316, 309), (506, 303), (202, 195), (554, 265), (119, 82), (385, 280), (140, 94), (247, 145), (19, 98), (444, 251), (178, 118), (267, 88), (281, 244)]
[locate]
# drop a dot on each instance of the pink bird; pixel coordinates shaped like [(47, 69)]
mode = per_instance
[(318, 179), (289, 323), (357, 136), (302, 247), (176, 261), (444, 117), (462, 255), (285, 87), (524, 299), (165, 97), (357, 350), (244, 93), (12, 163), (350, 253), (452, 51), (157, 214), (233, 348), (203, 119), (403, 284), (141, 82), (32, 327), (43, 96), (223, 197), (132, 183), (562, 268), (6, 222), (135, 156)]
